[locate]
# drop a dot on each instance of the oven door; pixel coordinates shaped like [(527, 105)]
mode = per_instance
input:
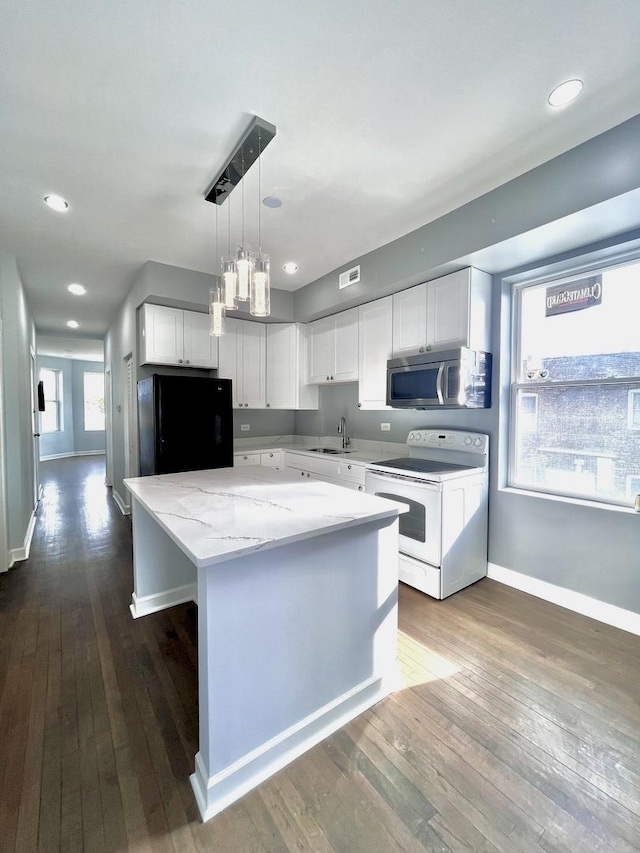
[(419, 527), (415, 385)]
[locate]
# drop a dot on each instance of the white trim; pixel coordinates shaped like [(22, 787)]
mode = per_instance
[(72, 453), (16, 555), (124, 508), (215, 793), (610, 614), (630, 410), (4, 542), (145, 604)]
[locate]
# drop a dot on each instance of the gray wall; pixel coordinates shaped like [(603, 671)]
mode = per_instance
[(584, 548), (600, 169), (73, 438), (18, 341), (85, 441), (54, 443)]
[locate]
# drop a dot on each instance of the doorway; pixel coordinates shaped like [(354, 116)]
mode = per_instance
[(130, 420)]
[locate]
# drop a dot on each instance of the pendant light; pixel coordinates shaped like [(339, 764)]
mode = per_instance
[(216, 304), (244, 258), (261, 287), (229, 273)]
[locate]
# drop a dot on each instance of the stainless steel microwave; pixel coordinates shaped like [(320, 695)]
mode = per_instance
[(452, 379)]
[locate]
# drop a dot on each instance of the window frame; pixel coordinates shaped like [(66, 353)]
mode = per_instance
[(630, 410), (57, 402), (86, 373), (559, 276)]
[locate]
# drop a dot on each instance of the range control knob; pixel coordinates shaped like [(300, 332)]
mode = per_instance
[(412, 435), (424, 436), (467, 440), (478, 442)]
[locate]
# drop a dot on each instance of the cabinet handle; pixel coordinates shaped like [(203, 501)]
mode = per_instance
[(421, 349), (245, 457), (359, 405), (327, 378), (348, 467), (428, 347), (186, 361), (271, 455), (359, 488), (268, 405), (332, 377), (179, 361), (302, 473)]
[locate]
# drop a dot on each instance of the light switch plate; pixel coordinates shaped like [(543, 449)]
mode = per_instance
[(245, 427), (385, 427)]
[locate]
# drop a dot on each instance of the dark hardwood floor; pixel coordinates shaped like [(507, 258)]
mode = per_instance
[(518, 728)]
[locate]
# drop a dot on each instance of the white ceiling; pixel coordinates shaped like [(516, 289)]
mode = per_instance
[(388, 116), (81, 349)]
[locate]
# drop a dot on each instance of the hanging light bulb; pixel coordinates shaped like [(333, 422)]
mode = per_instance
[(244, 267), (260, 305), (261, 290), (216, 311), (229, 273)]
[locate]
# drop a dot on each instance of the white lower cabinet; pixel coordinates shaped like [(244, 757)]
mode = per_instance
[(267, 458), (341, 472), (240, 460), (243, 360)]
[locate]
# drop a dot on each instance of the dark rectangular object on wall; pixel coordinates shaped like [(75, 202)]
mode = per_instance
[(185, 423)]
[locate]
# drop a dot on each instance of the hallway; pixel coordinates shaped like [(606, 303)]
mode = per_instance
[(518, 728)]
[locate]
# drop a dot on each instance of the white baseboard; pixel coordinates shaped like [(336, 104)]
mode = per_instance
[(16, 555), (610, 614), (215, 793), (153, 603), (124, 508), (73, 453)]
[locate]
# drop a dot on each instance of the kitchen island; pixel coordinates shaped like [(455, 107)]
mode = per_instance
[(296, 587)]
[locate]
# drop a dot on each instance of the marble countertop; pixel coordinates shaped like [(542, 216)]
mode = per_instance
[(225, 513)]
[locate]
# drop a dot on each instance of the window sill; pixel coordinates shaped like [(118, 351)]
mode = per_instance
[(514, 490)]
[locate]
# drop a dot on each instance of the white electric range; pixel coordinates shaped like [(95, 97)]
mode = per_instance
[(445, 482)]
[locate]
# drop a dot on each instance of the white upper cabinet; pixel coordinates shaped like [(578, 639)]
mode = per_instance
[(375, 348), (287, 386), (410, 321), (459, 310), (334, 348), (448, 312), (173, 336), (243, 360)]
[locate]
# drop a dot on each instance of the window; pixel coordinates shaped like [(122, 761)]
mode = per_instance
[(575, 426), (51, 419), (93, 401), (633, 417)]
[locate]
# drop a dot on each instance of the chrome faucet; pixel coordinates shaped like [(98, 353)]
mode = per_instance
[(342, 430)]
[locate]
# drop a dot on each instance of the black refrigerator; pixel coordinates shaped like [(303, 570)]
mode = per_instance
[(185, 423)]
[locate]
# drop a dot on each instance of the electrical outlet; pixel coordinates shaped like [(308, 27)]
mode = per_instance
[(385, 427), (245, 427)]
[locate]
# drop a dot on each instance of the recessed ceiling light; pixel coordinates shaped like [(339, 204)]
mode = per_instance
[(72, 324), (565, 93), (290, 267), (56, 202), (77, 289), (272, 201)]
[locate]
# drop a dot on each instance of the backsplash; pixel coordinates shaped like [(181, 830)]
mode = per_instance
[(338, 401)]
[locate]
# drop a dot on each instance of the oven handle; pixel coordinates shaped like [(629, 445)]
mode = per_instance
[(432, 485)]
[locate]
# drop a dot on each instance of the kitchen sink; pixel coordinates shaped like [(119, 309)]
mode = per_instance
[(332, 450)]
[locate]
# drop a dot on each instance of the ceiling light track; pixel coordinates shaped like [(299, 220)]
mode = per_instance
[(255, 139)]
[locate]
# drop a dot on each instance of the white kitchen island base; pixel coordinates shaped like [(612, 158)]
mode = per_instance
[(296, 636)]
